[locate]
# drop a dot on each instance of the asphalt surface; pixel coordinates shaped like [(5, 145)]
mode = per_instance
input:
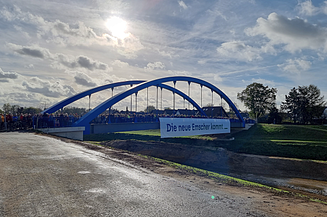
[(43, 176)]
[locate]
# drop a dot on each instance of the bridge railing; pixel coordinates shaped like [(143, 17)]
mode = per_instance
[(55, 121)]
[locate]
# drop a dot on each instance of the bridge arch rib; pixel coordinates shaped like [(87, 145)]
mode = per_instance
[(86, 119), (76, 97), (69, 100)]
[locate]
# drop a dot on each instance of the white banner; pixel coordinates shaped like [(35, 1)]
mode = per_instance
[(174, 127)]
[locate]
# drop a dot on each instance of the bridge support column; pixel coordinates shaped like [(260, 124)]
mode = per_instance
[(201, 95), (90, 102), (189, 94), (136, 102), (174, 95), (131, 100), (161, 97), (157, 99)]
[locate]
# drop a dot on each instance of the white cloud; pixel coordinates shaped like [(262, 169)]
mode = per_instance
[(176, 72), (8, 75), (182, 4), (239, 51), (119, 64), (217, 78), (296, 65), (306, 8), (296, 34), (46, 88), (324, 8), (29, 66), (264, 81), (154, 66), (164, 53), (202, 62)]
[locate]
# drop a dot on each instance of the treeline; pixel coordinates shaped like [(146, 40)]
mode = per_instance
[(303, 105), (16, 109)]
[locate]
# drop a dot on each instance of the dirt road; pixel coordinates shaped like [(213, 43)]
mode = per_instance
[(44, 176)]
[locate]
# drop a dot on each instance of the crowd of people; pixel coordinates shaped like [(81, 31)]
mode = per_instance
[(12, 122), (28, 121)]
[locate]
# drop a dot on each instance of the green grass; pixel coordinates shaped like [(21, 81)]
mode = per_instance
[(156, 134), (293, 141)]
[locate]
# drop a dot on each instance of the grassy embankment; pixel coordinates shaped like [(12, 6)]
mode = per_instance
[(294, 141)]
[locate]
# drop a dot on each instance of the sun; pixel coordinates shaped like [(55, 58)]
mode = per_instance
[(117, 27)]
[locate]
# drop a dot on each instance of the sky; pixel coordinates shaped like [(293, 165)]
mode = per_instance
[(53, 49)]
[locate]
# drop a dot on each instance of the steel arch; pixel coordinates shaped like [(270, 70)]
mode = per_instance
[(69, 100), (86, 119)]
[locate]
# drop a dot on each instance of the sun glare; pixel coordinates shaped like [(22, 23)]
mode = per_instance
[(117, 27)]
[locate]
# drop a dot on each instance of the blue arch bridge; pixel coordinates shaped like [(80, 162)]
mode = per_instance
[(135, 87)]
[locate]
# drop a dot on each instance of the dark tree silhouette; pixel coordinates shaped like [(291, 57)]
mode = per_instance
[(258, 98)]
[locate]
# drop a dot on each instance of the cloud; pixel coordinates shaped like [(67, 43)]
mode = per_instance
[(217, 78), (29, 66), (154, 66), (86, 62), (239, 51), (9, 75), (64, 34), (33, 51), (84, 80), (306, 8), (202, 62), (80, 29), (164, 53), (182, 4), (264, 81), (296, 65), (59, 59), (119, 64), (296, 34), (79, 62), (46, 88), (175, 72)]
